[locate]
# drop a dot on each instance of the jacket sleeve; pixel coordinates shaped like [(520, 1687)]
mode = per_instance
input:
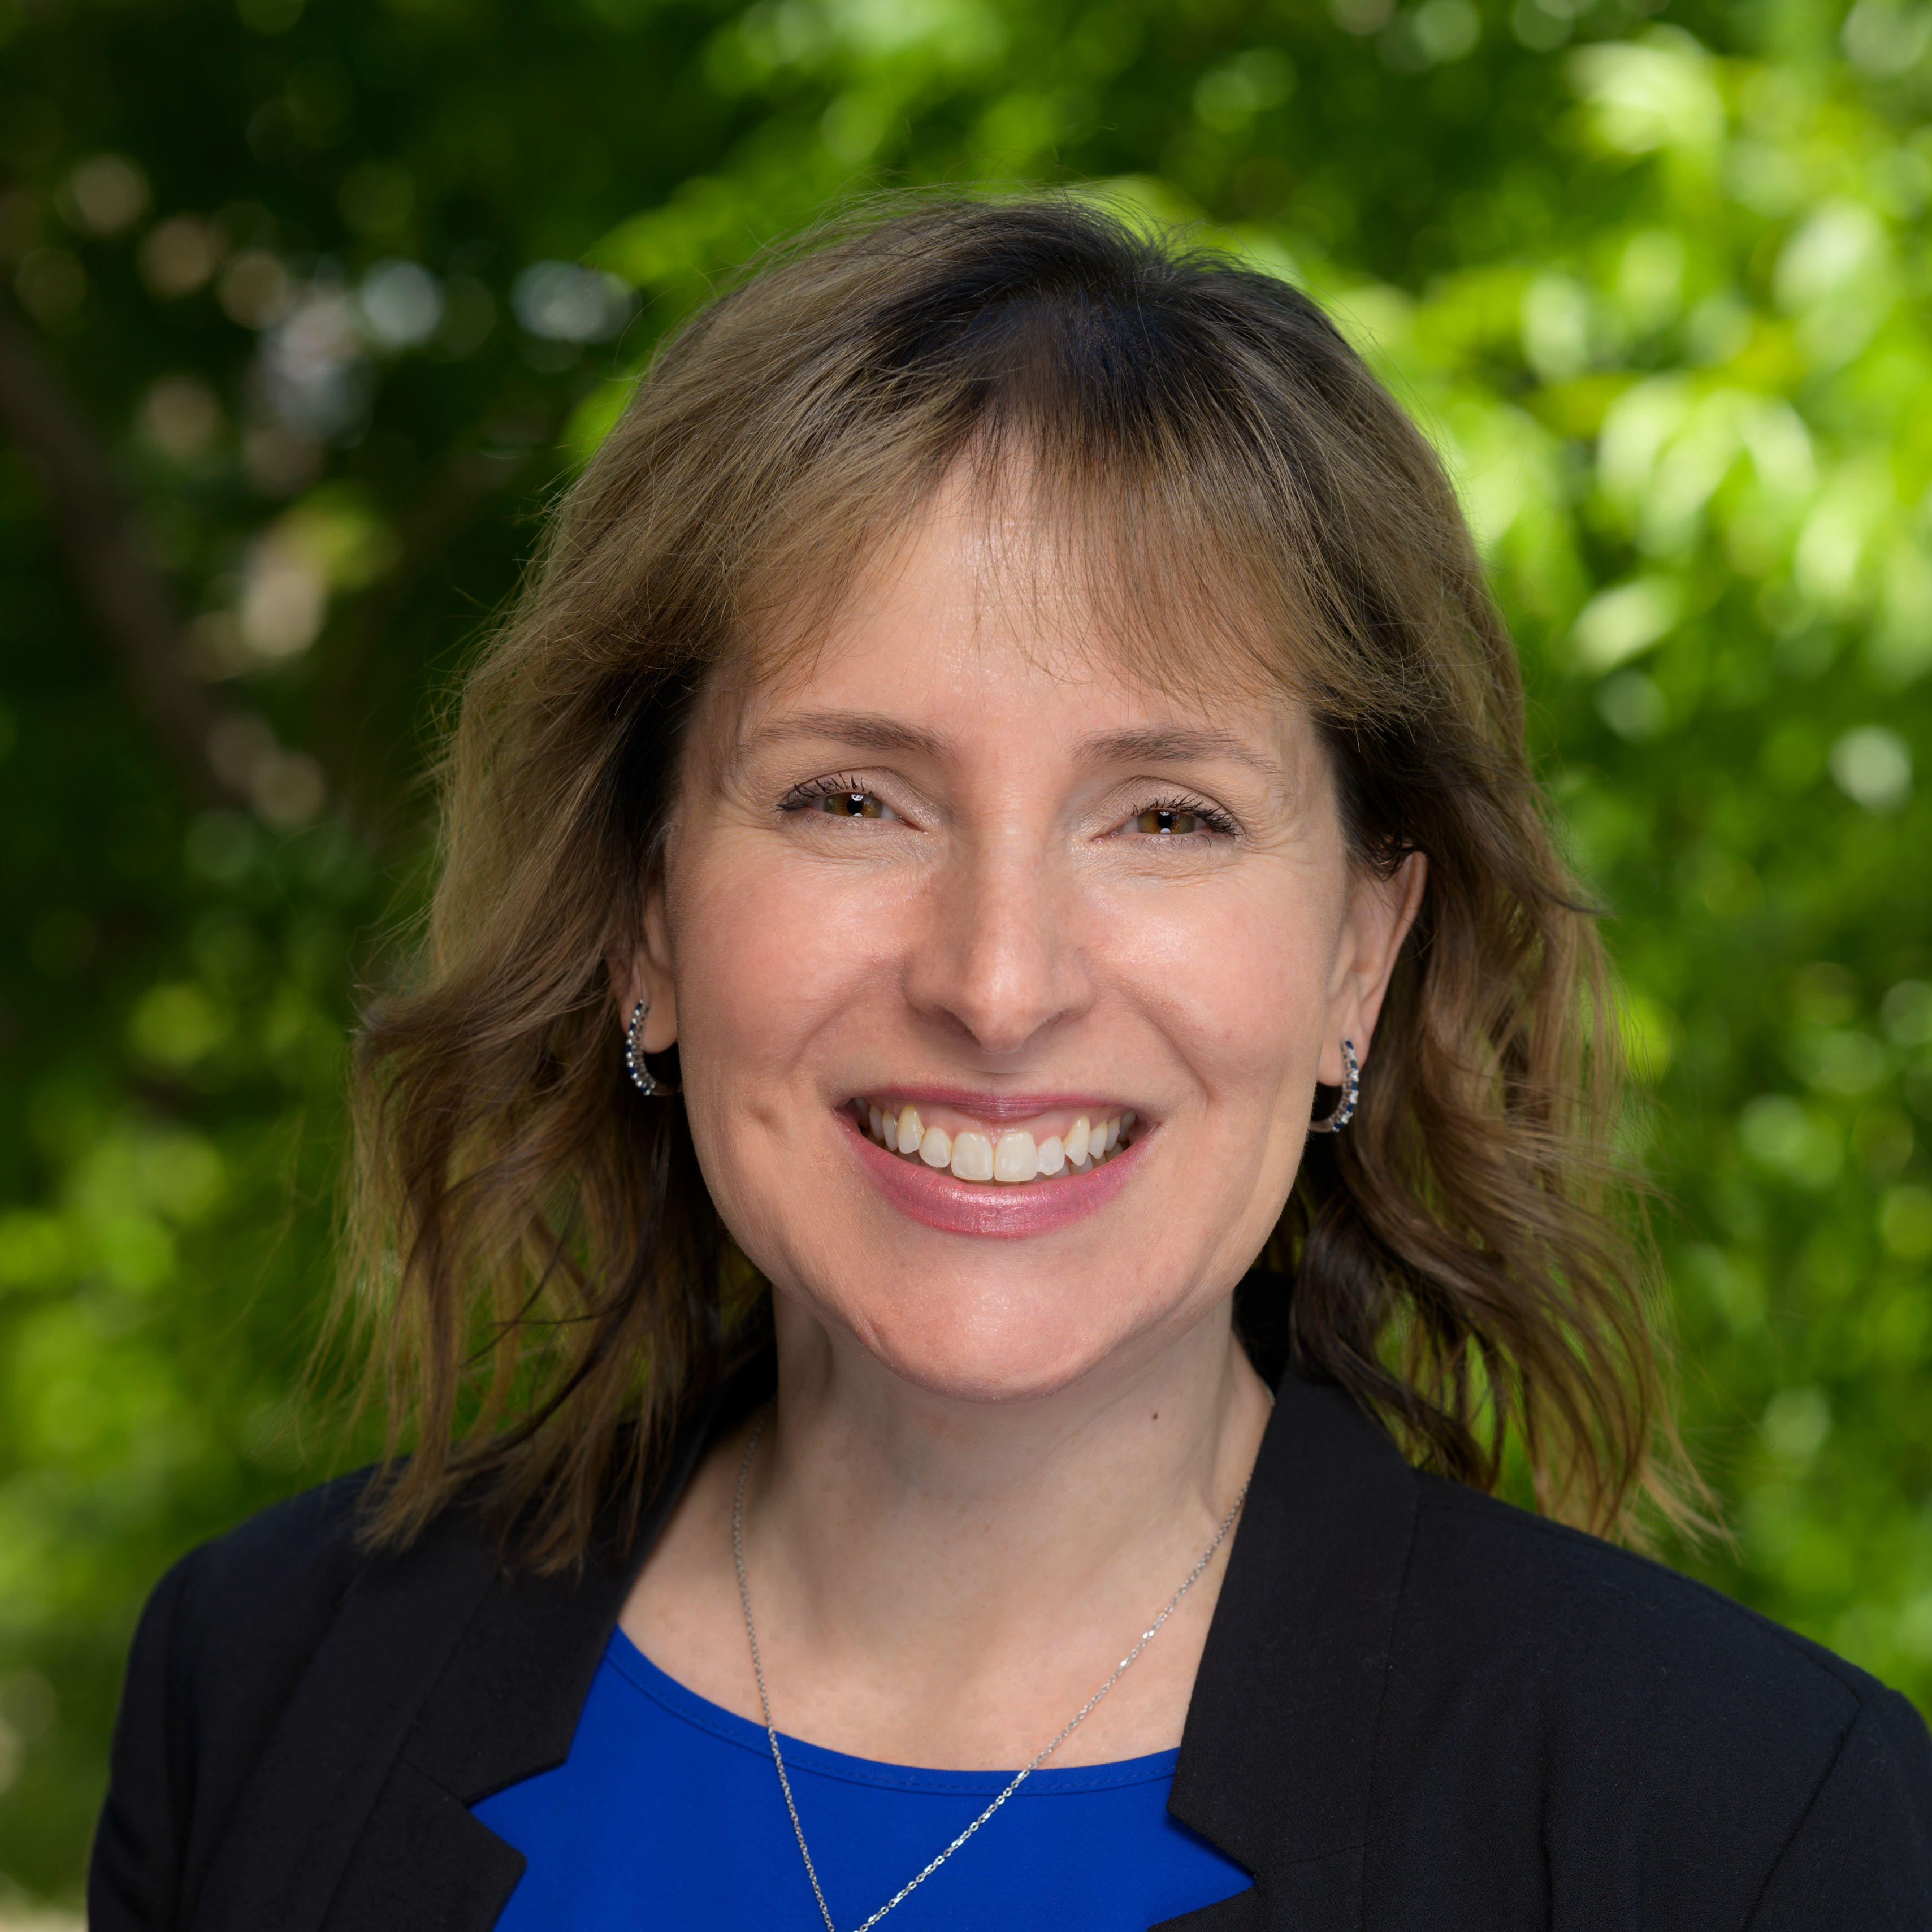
[(134, 1879), (1860, 1857)]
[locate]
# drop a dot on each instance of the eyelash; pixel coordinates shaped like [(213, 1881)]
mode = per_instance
[(844, 785), (1216, 820), (840, 785)]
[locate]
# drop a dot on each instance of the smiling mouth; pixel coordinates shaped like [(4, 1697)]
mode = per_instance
[(1075, 1144)]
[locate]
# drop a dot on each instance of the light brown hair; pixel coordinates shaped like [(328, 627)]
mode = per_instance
[(546, 1284)]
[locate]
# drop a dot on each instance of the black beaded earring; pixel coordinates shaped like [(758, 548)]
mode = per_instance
[(1352, 1091), (647, 1083)]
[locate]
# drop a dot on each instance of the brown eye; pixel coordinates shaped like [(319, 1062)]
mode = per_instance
[(851, 805), (1160, 819)]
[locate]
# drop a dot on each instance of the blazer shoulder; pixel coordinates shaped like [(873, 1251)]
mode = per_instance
[(276, 1571), (224, 1636), (1670, 1743), (1608, 1624), (252, 1605)]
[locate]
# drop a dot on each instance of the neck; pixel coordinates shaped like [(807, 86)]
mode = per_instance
[(908, 1527), (945, 1582)]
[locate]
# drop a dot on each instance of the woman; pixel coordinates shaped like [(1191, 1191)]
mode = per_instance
[(909, 1421)]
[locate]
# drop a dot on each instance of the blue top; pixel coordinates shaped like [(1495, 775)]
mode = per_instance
[(667, 1814)]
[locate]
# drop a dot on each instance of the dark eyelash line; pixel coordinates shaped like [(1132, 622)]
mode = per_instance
[(813, 790), (1209, 815), (844, 784)]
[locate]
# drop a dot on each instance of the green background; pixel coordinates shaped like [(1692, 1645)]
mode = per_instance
[(285, 382)]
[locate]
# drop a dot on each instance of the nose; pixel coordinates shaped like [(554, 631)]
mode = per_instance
[(1002, 959)]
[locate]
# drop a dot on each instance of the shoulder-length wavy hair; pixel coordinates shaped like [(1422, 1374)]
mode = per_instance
[(545, 1285)]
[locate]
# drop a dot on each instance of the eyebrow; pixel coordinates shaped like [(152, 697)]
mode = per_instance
[(864, 731), (1158, 744), (1177, 744)]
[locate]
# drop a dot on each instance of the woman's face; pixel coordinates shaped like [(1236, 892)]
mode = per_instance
[(954, 897)]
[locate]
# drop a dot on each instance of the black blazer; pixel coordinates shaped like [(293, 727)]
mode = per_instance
[(1419, 1710)]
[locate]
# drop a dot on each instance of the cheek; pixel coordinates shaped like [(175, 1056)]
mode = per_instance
[(1235, 972), (777, 970), (764, 956), (750, 984)]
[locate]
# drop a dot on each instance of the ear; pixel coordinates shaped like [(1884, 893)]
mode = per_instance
[(1380, 912), (644, 972)]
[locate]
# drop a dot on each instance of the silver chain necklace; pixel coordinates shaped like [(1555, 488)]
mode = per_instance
[(1019, 1777)]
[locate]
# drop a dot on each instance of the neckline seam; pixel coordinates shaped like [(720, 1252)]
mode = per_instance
[(688, 1707)]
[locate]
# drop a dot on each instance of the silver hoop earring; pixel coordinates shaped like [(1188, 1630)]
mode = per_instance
[(1352, 1092), (634, 1059)]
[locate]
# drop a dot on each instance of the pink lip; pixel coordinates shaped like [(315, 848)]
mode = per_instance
[(992, 1108), (931, 1196)]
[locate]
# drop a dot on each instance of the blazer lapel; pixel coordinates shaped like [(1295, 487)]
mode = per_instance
[(441, 1680), (284, 1853), (504, 1708), (1276, 1757)]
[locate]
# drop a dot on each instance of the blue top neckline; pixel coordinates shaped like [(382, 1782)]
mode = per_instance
[(638, 1670)]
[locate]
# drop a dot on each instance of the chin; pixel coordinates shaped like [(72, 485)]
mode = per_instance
[(990, 1347)]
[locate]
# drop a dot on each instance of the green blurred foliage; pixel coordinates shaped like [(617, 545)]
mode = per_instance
[(336, 294)]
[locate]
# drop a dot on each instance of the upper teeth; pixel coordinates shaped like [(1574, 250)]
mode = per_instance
[(1013, 1155)]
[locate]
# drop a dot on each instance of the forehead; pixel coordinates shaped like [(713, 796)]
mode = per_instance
[(988, 610)]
